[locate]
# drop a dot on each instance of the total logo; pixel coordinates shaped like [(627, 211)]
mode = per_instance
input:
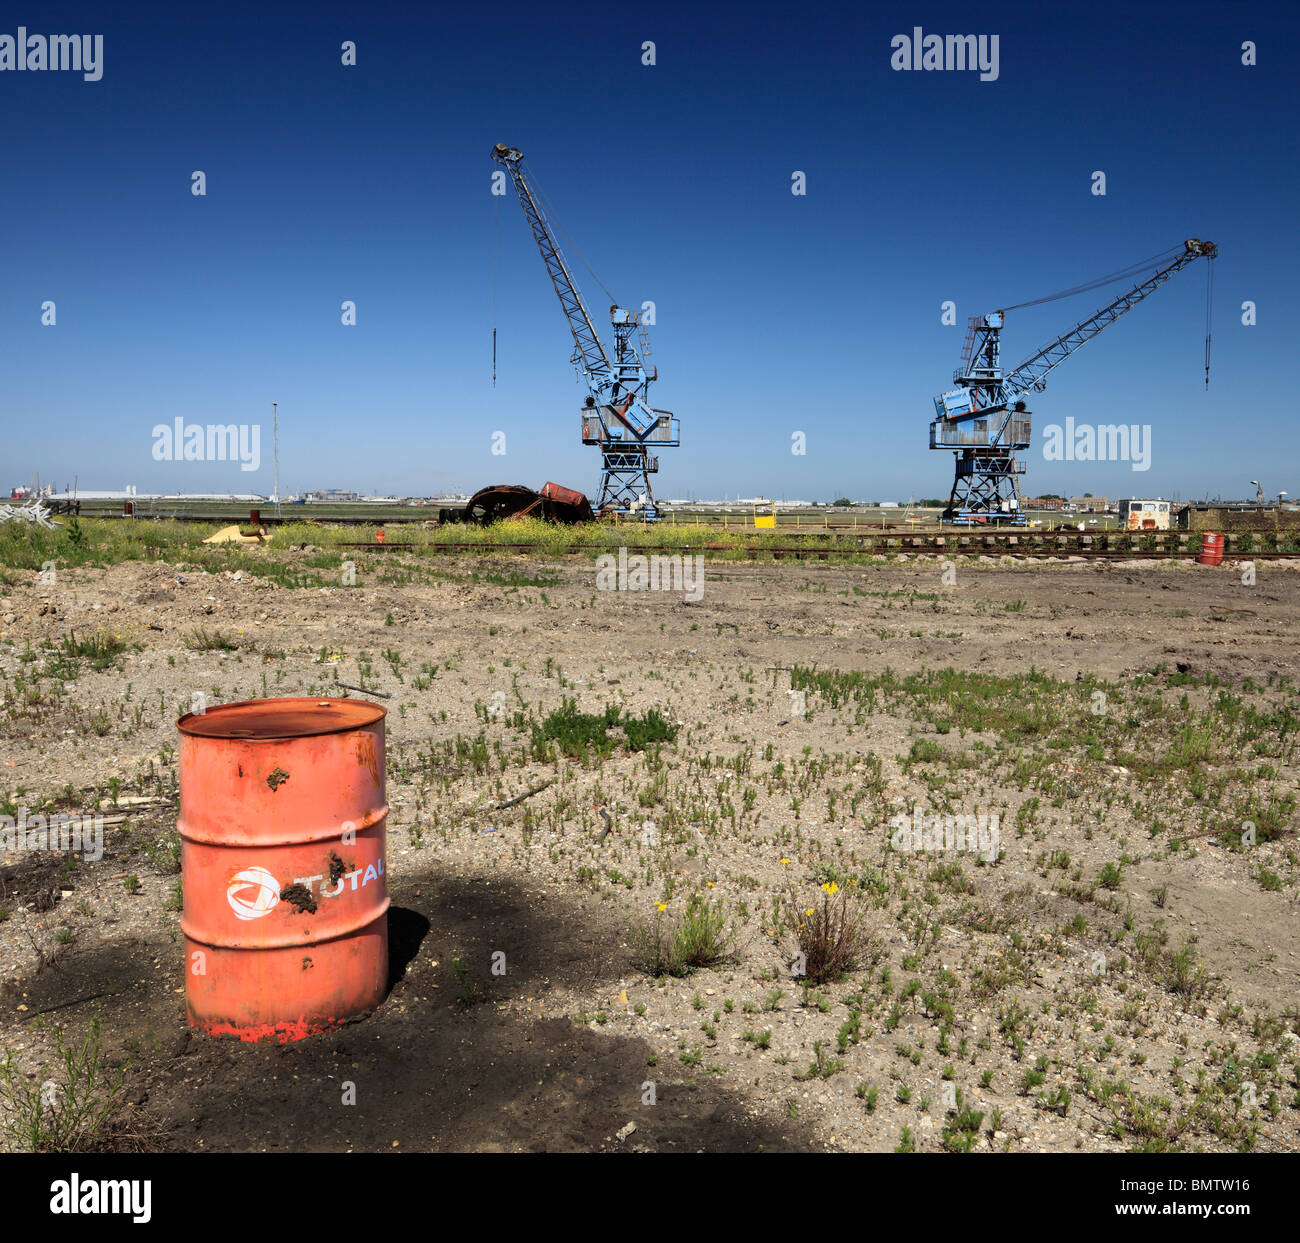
[(254, 892)]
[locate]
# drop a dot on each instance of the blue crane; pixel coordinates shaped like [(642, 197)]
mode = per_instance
[(985, 421), (617, 416)]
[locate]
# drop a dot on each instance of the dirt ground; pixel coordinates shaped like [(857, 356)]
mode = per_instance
[(1124, 974)]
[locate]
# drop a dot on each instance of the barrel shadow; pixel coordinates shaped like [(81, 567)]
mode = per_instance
[(406, 931), (458, 1058)]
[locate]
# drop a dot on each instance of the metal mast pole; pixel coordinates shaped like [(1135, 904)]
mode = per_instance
[(275, 433)]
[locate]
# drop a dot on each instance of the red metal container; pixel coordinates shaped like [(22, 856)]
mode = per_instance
[(558, 492), (282, 825), (1211, 549)]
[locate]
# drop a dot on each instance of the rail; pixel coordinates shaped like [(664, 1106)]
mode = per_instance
[(866, 546)]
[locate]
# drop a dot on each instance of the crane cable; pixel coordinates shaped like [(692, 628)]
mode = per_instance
[(496, 251), (554, 220), (1124, 273), (1209, 311)]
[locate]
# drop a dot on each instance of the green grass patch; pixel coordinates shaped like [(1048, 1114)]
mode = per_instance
[(583, 735)]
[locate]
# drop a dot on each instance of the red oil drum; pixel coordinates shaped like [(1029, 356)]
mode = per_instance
[(282, 825), (1211, 549)]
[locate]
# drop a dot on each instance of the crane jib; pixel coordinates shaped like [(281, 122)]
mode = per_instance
[(1034, 368), (575, 310)]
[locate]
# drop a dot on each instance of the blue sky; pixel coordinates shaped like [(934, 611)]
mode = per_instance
[(776, 313)]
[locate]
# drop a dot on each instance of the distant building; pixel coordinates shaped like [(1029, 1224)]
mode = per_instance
[(1044, 502), (1238, 517), (1089, 504), (133, 493), (333, 495)]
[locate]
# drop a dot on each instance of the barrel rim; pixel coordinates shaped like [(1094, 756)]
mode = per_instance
[(363, 712), (310, 837), (358, 924)]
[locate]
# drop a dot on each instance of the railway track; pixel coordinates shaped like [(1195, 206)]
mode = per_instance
[(826, 553)]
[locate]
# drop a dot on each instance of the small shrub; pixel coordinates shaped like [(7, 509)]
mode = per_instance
[(702, 936), (830, 935), (203, 640), (101, 649)]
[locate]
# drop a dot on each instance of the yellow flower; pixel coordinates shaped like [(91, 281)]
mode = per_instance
[(809, 911), (661, 906), (785, 862), (831, 888)]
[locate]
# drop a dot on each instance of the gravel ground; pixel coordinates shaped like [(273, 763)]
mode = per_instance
[(1124, 974)]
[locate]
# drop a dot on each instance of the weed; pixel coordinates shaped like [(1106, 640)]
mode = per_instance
[(830, 935), (80, 1108), (204, 640), (702, 936)]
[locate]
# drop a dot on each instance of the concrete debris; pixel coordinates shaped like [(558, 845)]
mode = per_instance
[(34, 512)]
